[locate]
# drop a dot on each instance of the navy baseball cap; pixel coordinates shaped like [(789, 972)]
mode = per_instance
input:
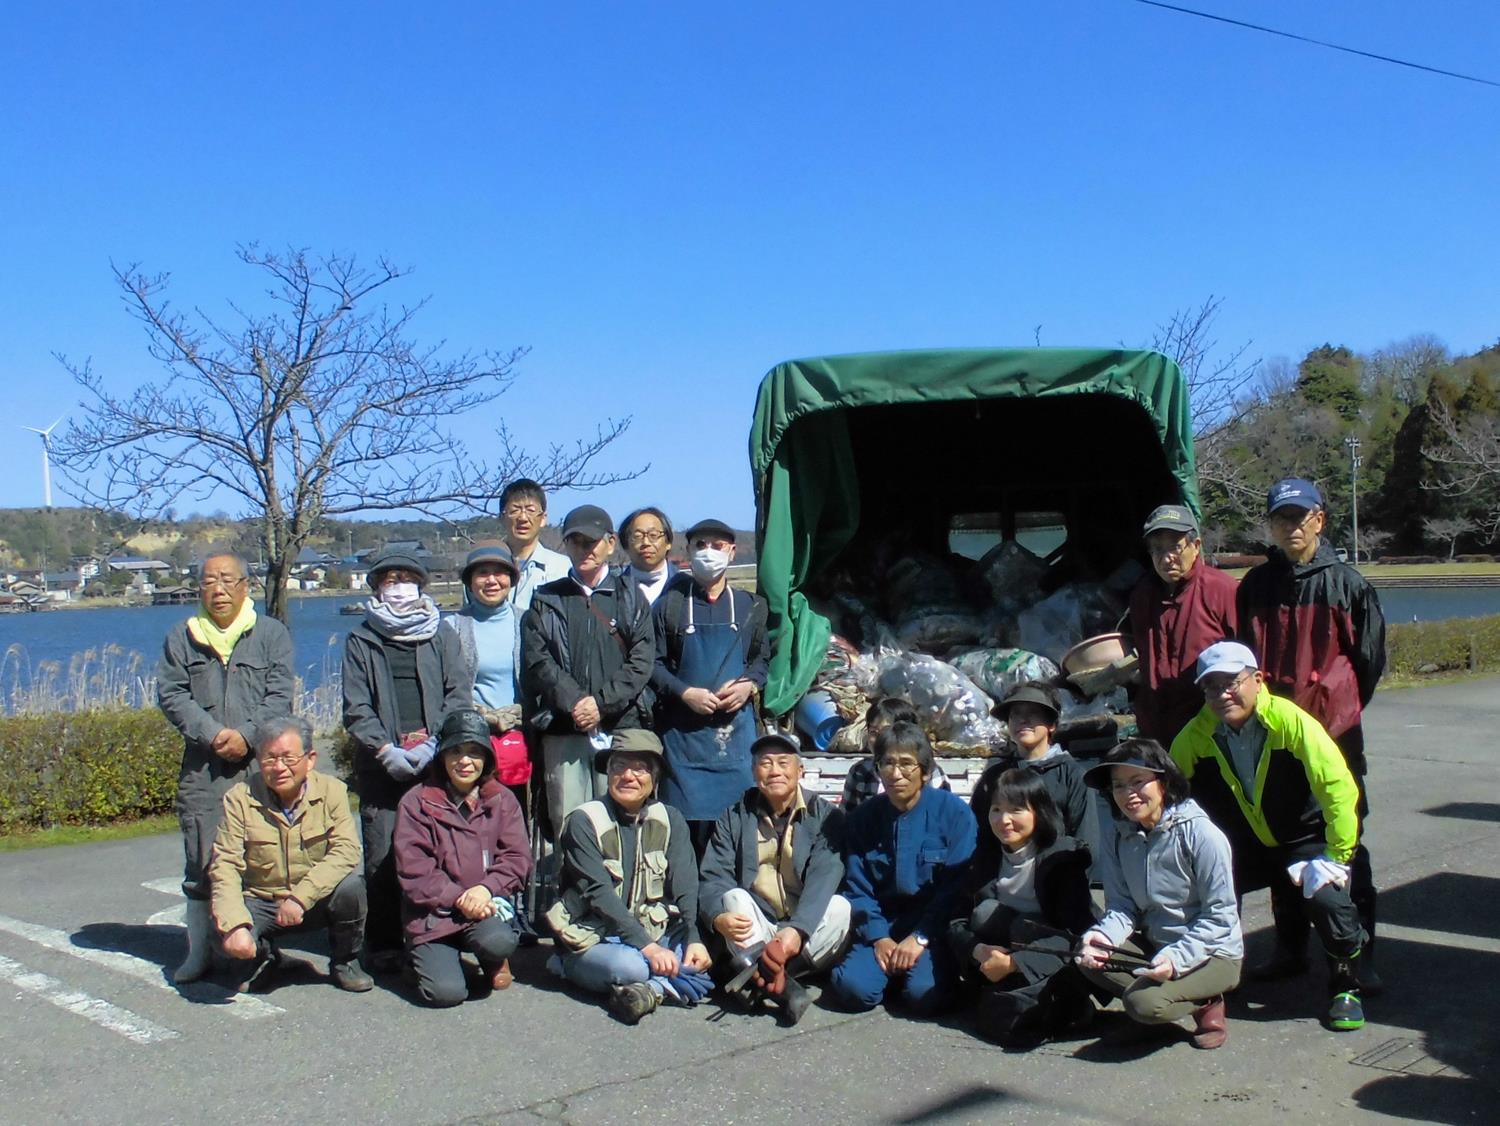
[(1295, 492)]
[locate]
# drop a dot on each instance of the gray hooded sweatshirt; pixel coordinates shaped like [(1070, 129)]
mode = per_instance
[(1175, 884)]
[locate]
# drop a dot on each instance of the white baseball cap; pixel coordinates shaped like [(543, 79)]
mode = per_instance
[(1225, 656)]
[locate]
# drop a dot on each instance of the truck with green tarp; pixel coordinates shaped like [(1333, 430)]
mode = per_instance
[(951, 452)]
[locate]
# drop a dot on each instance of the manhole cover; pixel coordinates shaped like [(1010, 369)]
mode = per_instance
[(1407, 1057)]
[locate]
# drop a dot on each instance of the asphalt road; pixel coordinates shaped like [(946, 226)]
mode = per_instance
[(91, 1030)]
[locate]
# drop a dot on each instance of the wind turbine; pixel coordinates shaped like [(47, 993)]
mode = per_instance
[(46, 459)]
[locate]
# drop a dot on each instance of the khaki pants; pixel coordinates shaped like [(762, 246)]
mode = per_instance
[(1160, 1002), (822, 946)]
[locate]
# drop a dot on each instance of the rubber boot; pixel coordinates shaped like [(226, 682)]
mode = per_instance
[(793, 999), (200, 925), (1209, 1029), (1346, 1011)]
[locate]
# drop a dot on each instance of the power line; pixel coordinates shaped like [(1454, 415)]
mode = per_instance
[(1319, 42)]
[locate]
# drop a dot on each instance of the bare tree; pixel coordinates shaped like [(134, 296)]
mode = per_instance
[(1221, 386), (1408, 365), (1448, 529), (1372, 541), (1467, 458), (319, 405)]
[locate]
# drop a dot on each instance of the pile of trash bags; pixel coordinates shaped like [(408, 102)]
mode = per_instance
[(953, 636)]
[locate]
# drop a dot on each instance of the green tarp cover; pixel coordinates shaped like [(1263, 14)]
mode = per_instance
[(807, 497)]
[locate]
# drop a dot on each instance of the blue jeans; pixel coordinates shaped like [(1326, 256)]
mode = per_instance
[(859, 983), (605, 964)]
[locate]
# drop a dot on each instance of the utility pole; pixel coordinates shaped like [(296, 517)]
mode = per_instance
[(1354, 462)]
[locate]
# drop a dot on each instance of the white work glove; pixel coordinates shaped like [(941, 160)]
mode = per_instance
[(1318, 873)]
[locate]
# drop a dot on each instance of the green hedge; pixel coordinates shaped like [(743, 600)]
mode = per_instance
[(86, 768), (1423, 648)]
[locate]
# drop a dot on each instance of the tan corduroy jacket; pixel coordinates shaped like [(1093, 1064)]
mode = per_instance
[(259, 853)]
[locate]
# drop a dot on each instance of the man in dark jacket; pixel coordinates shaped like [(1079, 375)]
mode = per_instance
[(222, 673), (1317, 628), (770, 875), (1176, 612), (587, 650)]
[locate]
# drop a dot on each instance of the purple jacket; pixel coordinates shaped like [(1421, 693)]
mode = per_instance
[(440, 854)]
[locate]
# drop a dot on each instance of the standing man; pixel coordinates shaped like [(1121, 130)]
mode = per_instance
[(1269, 776), (523, 508), (648, 541), (1176, 612), (1317, 627), (286, 858), (712, 656), (222, 673), (770, 878), (587, 647)]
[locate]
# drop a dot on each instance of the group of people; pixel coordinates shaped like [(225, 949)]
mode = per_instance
[(685, 853)]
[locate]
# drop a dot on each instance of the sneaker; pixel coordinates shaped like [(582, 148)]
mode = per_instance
[(1345, 1013), (631, 1002), (1209, 1031), (351, 977)]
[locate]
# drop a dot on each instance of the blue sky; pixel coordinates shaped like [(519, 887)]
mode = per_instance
[(665, 200)]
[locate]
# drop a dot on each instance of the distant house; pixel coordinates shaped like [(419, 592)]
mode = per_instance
[(87, 566), (138, 566), (415, 548)]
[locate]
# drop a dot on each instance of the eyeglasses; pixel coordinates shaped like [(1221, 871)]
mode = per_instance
[(214, 582), (1291, 521), (637, 768), (647, 537), (1213, 688), (283, 760), (514, 510), (1167, 551), (904, 767), (1120, 789)]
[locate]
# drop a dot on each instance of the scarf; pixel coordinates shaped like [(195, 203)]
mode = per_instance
[(417, 624), (206, 632)]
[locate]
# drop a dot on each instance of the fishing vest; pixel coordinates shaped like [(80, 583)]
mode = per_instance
[(575, 925)]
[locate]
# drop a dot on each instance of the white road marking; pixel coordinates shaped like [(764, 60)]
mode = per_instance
[(102, 1013), (171, 917), (168, 885), (239, 1004)]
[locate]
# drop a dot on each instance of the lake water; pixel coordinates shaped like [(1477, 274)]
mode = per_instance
[(318, 630)]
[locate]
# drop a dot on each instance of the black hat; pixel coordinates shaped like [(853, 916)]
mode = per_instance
[(490, 553), (1098, 775), (396, 560), (715, 528), (1029, 692), (775, 743), (635, 741), (461, 727), (1170, 518), (588, 520)]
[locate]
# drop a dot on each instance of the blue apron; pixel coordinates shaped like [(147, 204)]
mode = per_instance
[(708, 756)]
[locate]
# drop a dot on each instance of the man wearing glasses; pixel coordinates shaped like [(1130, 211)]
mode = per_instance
[(647, 536), (1176, 612), (523, 508), (1320, 634), (222, 672), (286, 858), (1270, 777)]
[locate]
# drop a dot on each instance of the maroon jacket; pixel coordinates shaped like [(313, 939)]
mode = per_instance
[(440, 854), (1319, 632), (1171, 627)]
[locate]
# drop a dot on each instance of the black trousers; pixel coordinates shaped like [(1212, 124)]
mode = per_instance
[(1331, 912), (440, 973)]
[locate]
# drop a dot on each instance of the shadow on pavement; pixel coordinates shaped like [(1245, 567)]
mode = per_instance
[(964, 1106), (1429, 1098), (1466, 810), (159, 945), (1445, 901)]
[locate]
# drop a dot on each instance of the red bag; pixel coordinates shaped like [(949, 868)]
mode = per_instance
[(512, 763)]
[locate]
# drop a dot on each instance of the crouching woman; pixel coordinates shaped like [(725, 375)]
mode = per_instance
[(1028, 885), (1168, 898), (461, 853)]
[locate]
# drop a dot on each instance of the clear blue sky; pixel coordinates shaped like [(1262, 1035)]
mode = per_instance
[(664, 200)]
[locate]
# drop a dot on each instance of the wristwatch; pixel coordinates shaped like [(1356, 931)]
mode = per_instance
[(922, 939)]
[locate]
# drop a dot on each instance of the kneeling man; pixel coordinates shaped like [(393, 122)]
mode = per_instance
[(286, 858), (627, 922), (770, 875)]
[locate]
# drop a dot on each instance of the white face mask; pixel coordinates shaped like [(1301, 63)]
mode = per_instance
[(709, 565), (400, 596)]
